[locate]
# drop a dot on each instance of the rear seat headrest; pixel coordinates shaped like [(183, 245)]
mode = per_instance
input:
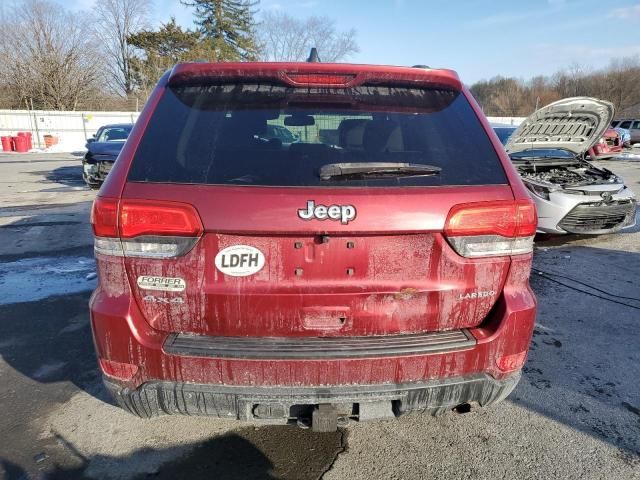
[(381, 135), (351, 132)]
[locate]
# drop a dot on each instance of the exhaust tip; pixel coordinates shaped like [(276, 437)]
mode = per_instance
[(462, 408)]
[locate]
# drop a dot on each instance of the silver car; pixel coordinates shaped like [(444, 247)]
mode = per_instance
[(571, 194)]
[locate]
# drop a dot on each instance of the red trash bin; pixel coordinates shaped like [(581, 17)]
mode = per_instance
[(6, 143), (27, 135), (20, 144)]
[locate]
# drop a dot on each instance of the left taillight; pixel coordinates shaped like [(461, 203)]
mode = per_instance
[(104, 217), (497, 228), (144, 228), (144, 217)]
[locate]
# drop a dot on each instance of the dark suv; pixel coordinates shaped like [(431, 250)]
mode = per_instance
[(375, 266), (102, 151)]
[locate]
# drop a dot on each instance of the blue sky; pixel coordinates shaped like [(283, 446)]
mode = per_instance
[(478, 38)]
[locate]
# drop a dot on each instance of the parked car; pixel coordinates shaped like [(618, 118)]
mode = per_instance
[(102, 150), (503, 131), (632, 125), (315, 283), (625, 136), (571, 194), (609, 145)]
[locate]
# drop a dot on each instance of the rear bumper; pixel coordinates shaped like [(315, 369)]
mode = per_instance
[(150, 374), (282, 405)]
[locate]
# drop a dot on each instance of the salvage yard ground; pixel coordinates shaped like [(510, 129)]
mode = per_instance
[(575, 414)]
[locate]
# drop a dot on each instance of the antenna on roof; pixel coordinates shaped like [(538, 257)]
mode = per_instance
[(420, 66), (313, 56)]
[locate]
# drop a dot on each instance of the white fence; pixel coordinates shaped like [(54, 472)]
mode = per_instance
[(515, 121), (73, 128)]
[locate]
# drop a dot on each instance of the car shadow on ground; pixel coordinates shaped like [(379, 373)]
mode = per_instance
[(49, 341), (70, 177), (249, 453), (226, 457)]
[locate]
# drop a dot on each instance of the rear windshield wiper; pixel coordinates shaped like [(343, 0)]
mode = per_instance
[(377, 169)]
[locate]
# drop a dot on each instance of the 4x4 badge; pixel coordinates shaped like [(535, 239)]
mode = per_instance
[(344, 213)]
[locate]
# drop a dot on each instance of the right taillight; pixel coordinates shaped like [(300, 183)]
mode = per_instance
[(485, 229), (144, 228)]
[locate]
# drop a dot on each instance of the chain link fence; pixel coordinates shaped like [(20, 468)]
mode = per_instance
[(71, 128)]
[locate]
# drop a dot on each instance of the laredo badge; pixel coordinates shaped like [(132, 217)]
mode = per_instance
[(164, 284)]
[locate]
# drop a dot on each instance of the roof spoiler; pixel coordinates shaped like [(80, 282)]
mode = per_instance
[(313, 74)]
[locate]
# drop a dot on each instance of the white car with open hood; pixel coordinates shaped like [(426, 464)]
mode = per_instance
[(571, 194)]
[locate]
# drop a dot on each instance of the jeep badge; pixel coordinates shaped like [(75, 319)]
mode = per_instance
[(344, 213)]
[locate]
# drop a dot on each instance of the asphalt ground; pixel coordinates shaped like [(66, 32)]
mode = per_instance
[(575, 414)]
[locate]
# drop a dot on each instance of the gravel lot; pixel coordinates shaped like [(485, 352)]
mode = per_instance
[(575, 414)]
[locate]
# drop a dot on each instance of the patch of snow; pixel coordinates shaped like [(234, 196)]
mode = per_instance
[(36, 278), (633, 157), (44, 371), (66, 146), (72, 328)]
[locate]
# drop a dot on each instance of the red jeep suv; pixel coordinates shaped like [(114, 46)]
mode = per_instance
[(311, 243)]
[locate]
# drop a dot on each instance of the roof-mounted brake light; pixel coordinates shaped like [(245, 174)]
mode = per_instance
[(319, 79)]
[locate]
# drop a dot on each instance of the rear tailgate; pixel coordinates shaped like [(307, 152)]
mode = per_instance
[(381, 274)]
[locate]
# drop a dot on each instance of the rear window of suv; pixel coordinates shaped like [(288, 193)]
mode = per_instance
[(273, 135)]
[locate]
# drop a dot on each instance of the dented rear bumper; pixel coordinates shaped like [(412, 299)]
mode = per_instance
[(287, 404)]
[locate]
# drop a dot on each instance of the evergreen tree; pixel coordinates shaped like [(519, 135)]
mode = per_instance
[(229, 26), (158, 50), (169, 41)]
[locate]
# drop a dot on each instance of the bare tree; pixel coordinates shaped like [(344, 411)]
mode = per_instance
[(115, 22), (508, 99), (572, 82), (618, 83), (284, 38), (47, 56), (538, 93), (623, 80)]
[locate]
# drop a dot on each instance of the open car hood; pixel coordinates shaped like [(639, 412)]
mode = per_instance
[(575, 124)]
